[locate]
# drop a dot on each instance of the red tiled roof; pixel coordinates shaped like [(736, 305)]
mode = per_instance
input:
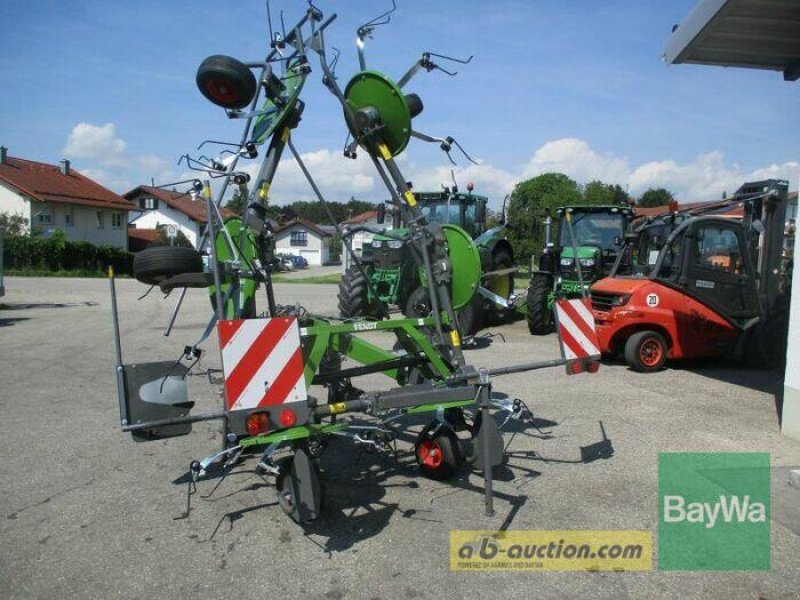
[(300, 221), (145, 235), (362, 218), (180, 201), (45, 183)]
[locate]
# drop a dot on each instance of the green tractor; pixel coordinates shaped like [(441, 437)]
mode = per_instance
[(391, 277), (584, 250)]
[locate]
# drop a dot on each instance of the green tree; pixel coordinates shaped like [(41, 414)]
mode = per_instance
[(162, 239), (597, 192), (236, 202), (655, 197), (531, 201), (12, 224)]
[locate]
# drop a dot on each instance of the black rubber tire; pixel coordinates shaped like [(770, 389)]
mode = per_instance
[(539, 316), (353, 295), (443, 466), (470, 318), (646, 351), (283, 490), (501, 259), (418, 304), (154, 265), (226, 82)]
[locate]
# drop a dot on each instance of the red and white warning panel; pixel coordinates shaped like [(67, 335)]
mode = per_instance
[(580, 345), (262, 362)]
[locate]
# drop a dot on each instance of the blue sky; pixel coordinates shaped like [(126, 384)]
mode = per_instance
[(574, 86)]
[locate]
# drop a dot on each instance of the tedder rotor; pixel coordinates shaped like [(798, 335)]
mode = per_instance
[(273, 357)]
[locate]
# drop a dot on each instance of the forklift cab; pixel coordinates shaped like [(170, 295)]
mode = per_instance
[(707, 258)]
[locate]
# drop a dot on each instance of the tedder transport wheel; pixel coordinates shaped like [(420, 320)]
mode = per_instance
[(283, 488), (226, 81), (154, 265), (437, 455), (353, 295), (646, 351), (539, 315)]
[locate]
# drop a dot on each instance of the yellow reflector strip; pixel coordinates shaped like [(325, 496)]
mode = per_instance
[(285, 135), (384, 150), (263, 191), (410, 198), (338, 407), (567, 550), (455, 338)]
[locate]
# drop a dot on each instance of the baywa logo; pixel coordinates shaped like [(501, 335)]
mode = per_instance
[(729, 508), (714, 511)]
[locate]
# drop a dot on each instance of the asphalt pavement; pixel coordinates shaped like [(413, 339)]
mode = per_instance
[(90, 513)]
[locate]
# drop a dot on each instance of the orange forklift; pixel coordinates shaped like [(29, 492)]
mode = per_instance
[(702, 282)]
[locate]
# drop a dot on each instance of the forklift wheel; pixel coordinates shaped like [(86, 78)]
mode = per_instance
[(154, 265), (437, 456), (226, 82), (646, 351)]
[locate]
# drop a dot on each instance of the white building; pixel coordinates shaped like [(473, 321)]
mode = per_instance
[(161, 208), (358, 239), (55, 197), (302, 238)]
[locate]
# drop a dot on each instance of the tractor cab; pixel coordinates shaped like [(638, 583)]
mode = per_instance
[(597, 232), (584, 249), (468, 211)]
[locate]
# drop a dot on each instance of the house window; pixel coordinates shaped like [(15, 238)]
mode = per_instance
[(100, 219), (116, 220), (69, 217), (45, 217), (148, 203), (299, 238)]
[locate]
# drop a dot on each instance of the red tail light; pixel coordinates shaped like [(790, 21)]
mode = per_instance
[(593, 366), (257, 423), (288, 418), (575, 367)]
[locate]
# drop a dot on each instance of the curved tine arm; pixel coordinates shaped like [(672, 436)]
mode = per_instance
[(329, 80), (428, 138), (452, 58), (381, 19)]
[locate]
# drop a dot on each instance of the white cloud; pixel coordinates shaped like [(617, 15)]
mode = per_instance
[(98, 144), (103, 157), (337, 177), (575, 158)]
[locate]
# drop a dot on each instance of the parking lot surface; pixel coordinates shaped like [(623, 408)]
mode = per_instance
[(90, 513)]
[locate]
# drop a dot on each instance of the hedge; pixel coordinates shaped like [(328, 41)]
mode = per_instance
[(54, 253)]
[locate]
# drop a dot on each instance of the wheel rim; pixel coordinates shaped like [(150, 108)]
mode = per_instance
[(430, 454), (222, 91), (651, 352), (501, 286)]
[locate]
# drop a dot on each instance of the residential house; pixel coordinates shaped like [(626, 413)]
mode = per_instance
[(300, 237), (55, 197), (161, 208), (358, 239)]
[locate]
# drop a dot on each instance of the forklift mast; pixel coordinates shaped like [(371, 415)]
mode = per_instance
[(765, 218)]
